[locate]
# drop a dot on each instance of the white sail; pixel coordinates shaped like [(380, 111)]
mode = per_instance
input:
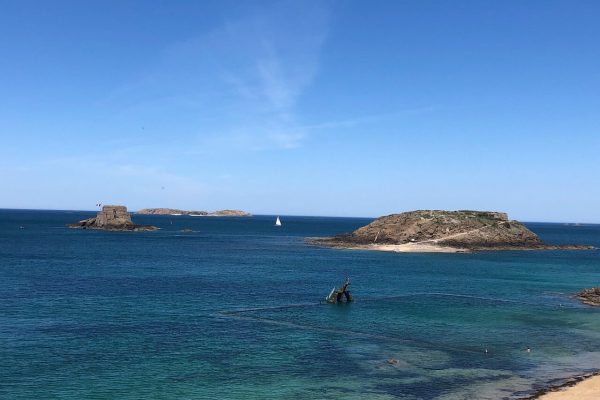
[(277, 222)]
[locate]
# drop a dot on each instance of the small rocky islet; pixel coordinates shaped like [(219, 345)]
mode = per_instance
[(590, 296), (112, 218), (437, 230), (175, 211)]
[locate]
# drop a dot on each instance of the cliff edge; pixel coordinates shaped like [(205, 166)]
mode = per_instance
[(443, 231)]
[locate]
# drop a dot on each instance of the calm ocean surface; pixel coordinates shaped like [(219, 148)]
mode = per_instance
[(231, 311)]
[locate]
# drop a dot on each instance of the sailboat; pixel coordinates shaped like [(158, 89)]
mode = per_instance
[(277, 222)]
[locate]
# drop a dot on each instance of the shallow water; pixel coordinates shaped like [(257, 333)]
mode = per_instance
[(232, 311)]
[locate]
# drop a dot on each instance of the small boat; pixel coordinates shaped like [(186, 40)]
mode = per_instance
[(277, 222), (175, 214), (196, 215)]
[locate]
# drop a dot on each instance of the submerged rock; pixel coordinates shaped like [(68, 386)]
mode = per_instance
[(435, 229), (341, 294), (112, 218), (590, 296)]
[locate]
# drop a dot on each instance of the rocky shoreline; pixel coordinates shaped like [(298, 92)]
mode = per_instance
[(561, 385), (442, 231), (112, 218), (433, 248)]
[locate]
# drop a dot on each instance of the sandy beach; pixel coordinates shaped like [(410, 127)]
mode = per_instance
[(588, 389), (411, 248)]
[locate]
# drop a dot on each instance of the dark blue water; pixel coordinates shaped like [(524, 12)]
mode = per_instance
[(231, 311)]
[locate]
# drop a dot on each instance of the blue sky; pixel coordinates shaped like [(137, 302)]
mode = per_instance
[(346, 108)]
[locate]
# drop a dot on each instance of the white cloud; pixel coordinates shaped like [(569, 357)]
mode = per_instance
[(243, 79)]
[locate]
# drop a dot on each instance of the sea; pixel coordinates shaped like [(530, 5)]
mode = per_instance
[(235, 309)]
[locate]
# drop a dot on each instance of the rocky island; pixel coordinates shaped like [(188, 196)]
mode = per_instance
[(112, 218), (442, 231), (174, 211)]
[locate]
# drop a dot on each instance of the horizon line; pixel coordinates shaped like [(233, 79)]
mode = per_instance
[(296, 215)]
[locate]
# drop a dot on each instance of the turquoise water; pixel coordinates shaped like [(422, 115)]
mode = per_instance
[(231, 311)]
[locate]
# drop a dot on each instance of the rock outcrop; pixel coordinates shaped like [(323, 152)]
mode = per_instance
[(590, 296), (112, 218), (427, 230), (169, 211), (230, 213), (174, 211)]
